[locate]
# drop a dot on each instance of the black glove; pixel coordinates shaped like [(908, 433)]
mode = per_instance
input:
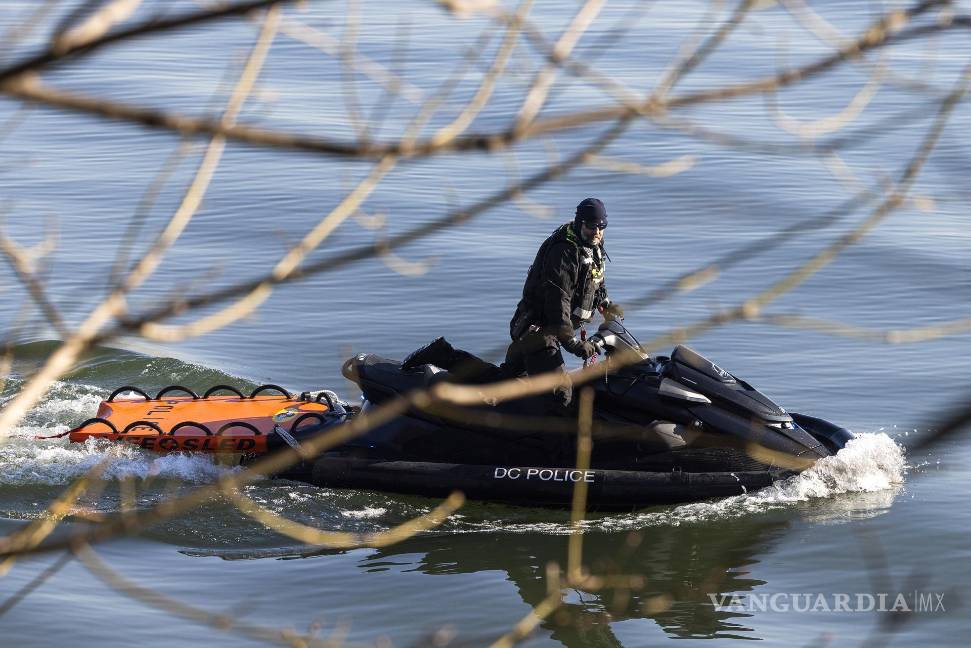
[(583, 349), (613, 311)]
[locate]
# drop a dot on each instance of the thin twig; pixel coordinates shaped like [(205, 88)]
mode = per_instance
[(343, 540), (348, 84), (393, 83), (751, 307), (831, 123), (574, 563), (452, 130), (528, 623), (543, 81), (49, 57), (95, 26), (886, 32), (888, 336), (223, 622), (23, 267), (284, 268), (695, 56), (333, 263), (45, 575), (25, 539), (114, 305)]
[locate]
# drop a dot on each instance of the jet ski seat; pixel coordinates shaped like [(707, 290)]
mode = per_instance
[(386, 377), (462, 365), (382, 379)]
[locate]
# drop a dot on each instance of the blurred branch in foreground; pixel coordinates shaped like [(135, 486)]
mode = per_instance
[(102, 26)]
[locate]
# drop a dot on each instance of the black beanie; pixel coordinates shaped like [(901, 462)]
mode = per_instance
[(592, 212)]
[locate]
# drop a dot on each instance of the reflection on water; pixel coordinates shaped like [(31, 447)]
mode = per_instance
[(680, 565)]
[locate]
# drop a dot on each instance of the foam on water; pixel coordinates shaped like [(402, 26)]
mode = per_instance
[(58, 462), (26, 460), (870, 463), (67, 405), (366, 513)]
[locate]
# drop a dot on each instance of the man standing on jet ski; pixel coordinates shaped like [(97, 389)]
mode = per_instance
[(564, 287)]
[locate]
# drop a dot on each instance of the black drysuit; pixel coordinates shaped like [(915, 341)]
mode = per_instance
[(564, 288)]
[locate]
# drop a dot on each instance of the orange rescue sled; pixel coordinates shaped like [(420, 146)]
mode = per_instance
[(213, 422)]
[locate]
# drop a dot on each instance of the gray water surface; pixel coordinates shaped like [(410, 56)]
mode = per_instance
[(879, 519)]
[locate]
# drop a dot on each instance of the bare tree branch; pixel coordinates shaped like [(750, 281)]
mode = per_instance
[(22, 265), (750, 308), (543, 82), (449, 132), (889, 336), (284, 269), (889, 30), (95, 26), (326, 43), (223, 622), (50, 56), (45, 575), (343, 540), (353, 255), (114, 305)]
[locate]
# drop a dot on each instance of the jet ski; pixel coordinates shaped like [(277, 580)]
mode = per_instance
[(666, 429)]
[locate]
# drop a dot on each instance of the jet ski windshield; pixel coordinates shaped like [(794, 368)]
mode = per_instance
[(615, 337)]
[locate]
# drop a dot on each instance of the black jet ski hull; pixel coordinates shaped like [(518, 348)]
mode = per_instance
[(532, 485), (664, 430)]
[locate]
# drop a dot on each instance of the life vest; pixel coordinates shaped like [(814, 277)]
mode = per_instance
[(590, 279), (587, 290)]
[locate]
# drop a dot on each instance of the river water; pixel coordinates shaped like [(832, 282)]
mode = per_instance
[(880, 519)]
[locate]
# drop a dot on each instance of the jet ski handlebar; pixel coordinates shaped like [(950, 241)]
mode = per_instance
[(598, 341), (613, 335)]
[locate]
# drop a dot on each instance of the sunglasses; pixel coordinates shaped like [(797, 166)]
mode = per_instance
[(596, 226)]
